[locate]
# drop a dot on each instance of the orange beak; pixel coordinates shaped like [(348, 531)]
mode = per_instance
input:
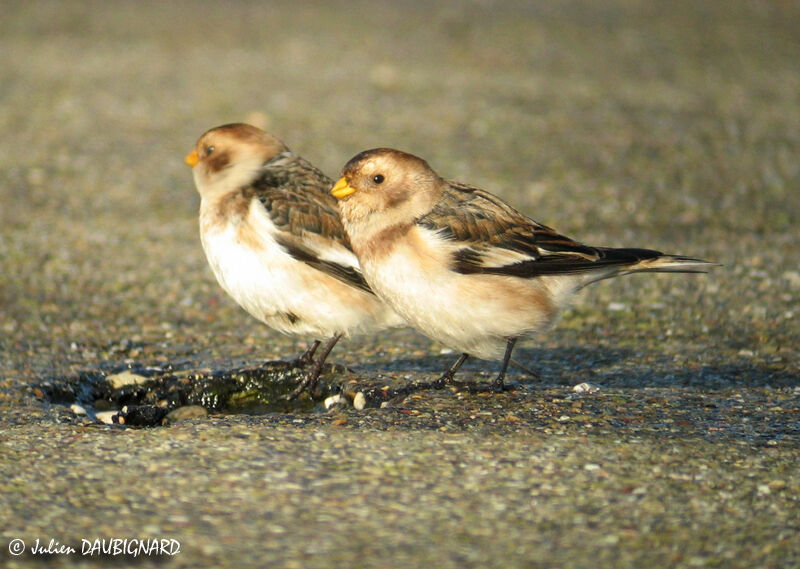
[(342, 189), (192, 158)]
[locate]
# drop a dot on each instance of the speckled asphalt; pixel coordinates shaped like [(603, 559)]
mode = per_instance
[(673, 126)]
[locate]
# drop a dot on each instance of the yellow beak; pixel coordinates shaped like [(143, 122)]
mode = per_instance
[(342, 189), (192, 158)]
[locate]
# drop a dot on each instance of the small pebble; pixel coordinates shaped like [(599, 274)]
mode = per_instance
[(106, 417), (359, 401), (77, 409), (186, 412), (586, 388), (333, 400), (125, 378)]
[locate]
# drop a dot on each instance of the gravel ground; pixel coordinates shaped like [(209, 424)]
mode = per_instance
[(667, 125)]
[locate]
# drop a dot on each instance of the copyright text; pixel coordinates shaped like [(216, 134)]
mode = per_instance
[(100, 547)]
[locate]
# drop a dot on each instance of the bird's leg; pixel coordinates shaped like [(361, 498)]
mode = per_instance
[(309, 382), (447, 377), (498, 384), (308, 356)]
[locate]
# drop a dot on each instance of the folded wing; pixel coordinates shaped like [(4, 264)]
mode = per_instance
[(295, 195), (493, 238)]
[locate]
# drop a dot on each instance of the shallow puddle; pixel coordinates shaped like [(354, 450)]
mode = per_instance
[(148, 396)]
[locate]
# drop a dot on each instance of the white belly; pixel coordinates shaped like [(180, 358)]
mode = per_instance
[(475, 314), (287, 294)]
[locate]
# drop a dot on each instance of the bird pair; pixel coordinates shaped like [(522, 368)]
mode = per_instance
[(404, 246)]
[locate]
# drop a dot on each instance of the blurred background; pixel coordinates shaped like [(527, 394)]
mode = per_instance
[(668, 125)]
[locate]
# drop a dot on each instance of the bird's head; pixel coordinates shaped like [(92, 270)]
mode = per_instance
[(398, 186), (230, 156)]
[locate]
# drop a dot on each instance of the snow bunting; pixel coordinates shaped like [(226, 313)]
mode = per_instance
[(461, 265), (273, 238)]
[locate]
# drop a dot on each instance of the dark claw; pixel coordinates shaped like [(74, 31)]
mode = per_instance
[(309, 382), (306, 384)]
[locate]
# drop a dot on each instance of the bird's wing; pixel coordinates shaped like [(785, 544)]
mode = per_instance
[(491, 237), (296, 197)]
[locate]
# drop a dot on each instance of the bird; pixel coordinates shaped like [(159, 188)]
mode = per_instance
[(272, 235), (464, 267)]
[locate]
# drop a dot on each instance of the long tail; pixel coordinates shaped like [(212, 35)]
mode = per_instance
[(620, 262)]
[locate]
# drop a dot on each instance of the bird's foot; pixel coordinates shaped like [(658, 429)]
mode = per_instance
[(445, 380), (307, 384)]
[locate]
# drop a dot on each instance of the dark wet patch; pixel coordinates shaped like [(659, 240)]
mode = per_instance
[(159, 390)]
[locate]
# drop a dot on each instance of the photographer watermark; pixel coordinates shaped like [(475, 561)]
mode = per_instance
[(99, 547)]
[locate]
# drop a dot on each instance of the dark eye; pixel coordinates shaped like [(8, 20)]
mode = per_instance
[(209, 150), (378, 178)]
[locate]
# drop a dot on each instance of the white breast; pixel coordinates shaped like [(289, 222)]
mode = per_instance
[(475, 314), (280, 291)]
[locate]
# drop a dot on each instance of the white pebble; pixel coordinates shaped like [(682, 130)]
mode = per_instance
[(77, 409), (359, 401), (125, 378), (586, 388), (333, 400), (106, 417)]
